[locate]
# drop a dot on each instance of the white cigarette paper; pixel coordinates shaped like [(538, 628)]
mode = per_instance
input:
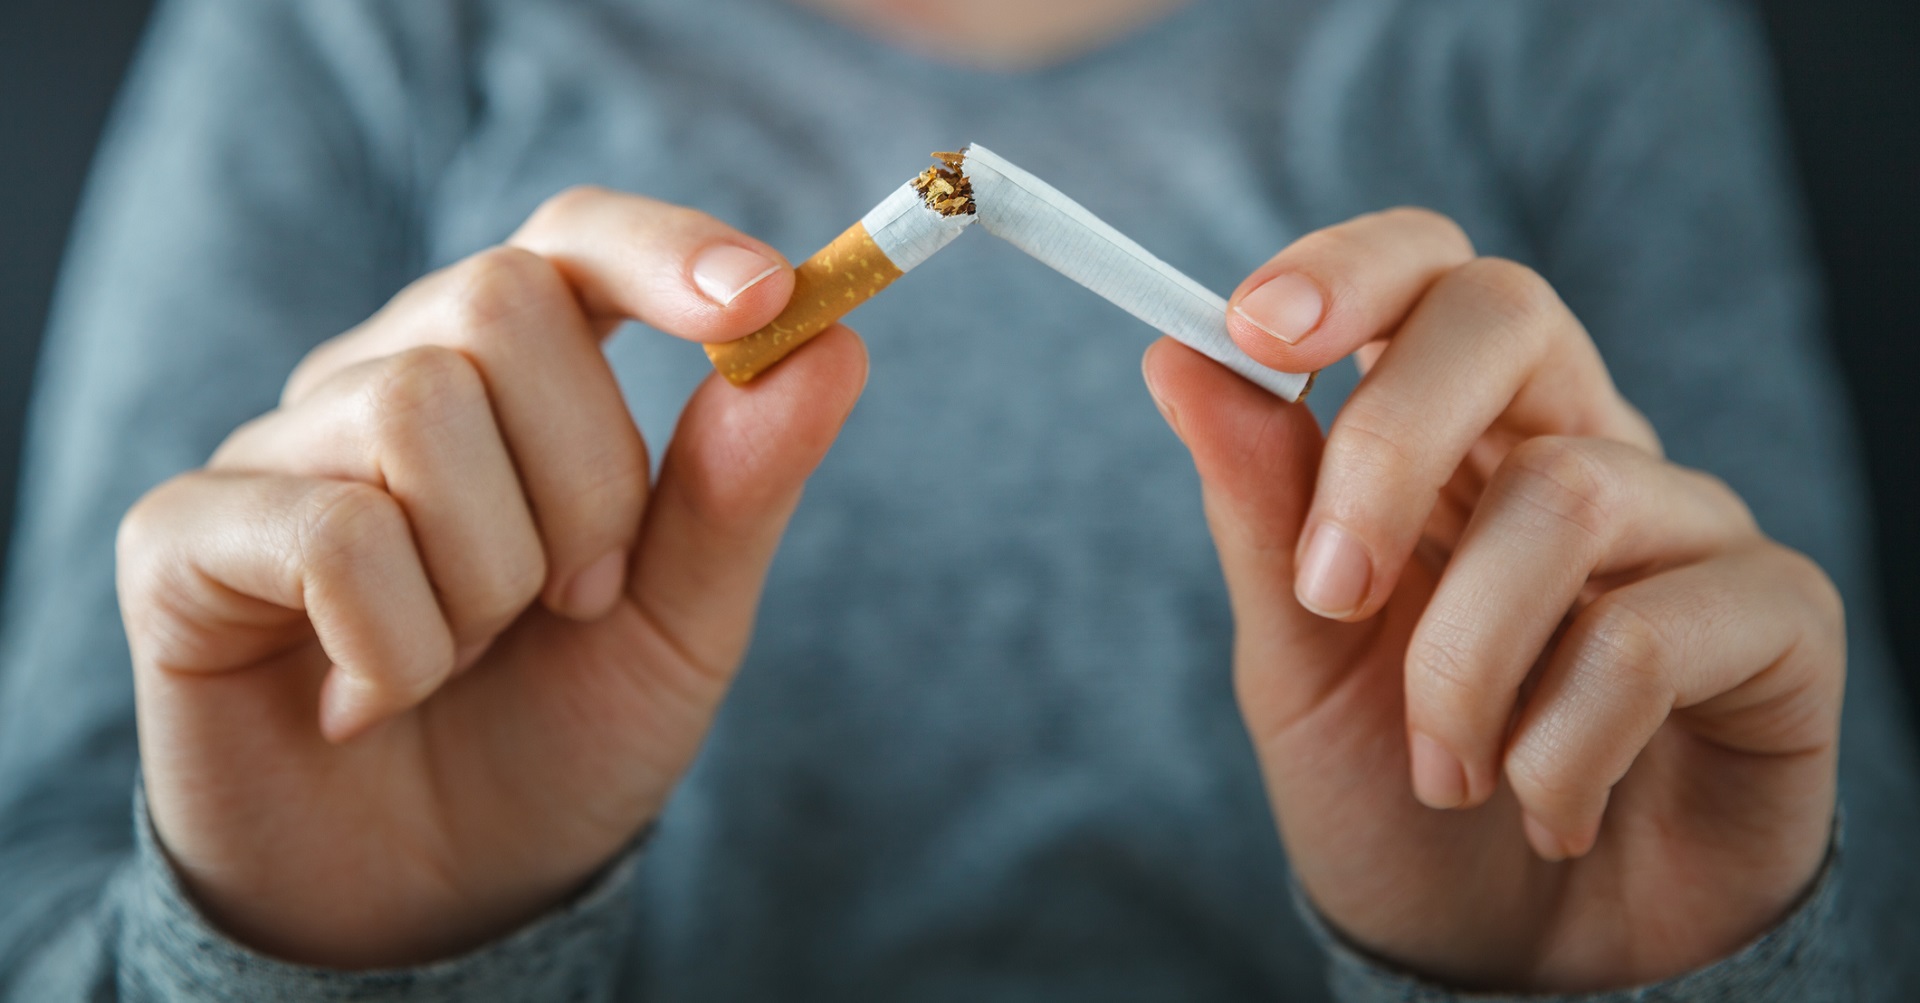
[(905, 230), (901, 233), (908, 232), (1034, 216)]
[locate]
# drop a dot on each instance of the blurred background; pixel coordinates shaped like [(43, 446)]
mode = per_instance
[(1850, 74)]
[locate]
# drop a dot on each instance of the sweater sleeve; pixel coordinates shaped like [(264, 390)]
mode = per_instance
[(254, 197), (168, 951)]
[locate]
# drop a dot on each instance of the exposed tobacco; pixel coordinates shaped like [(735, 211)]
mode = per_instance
[(945, 189)]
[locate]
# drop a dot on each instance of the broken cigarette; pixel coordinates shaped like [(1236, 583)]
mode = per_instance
[(918, 219), (929, 212)]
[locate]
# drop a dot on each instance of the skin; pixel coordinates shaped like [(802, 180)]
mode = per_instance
[(429, 629), (378, 633), (1005, 35), (1630, 697)]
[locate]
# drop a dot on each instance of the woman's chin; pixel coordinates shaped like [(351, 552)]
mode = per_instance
[(999, 35)]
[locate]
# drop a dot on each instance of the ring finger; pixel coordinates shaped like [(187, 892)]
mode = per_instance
[(1747, 647)]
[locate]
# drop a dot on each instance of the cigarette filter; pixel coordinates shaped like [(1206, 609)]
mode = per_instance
[(918, 219), (926, 214)]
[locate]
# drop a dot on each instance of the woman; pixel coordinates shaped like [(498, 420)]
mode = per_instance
[(422, 656)]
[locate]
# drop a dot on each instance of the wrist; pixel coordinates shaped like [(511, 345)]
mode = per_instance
[(172, 950), (323, 912), (1800, 958)]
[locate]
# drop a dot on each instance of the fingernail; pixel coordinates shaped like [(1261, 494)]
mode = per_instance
[(347, 706), (1288, 307), (1544, 842), (594, 589), (725, 271), (1438, 780), (1334, 573)]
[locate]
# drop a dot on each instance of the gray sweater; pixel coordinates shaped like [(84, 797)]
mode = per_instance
[(984, 746)]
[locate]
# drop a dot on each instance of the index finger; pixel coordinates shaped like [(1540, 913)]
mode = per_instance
[(1490, 349), (616, 257), (672, 268), (1337, 289)]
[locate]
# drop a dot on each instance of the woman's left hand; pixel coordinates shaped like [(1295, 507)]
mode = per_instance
[(1536, 708)]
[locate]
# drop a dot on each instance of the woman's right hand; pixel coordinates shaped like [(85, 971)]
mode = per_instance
[(422, 649)]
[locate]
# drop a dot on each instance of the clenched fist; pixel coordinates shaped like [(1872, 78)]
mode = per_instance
[(423, 648)]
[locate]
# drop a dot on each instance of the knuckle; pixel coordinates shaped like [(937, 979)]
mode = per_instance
[(154, 582), (1371, 479), (604, 496), (143, 533), (304, 375), (424, 388), (346, 522), (499, 285), (1724, 498), (1629, 650), (1333, 244), (1543, 778), (1376, 464), (686, 218), (234, 445), (1374, 440), (1822, 592), (602, 509), (141, 523), (1337, 251), (1511, 292), (1817, 592), (1437, 226), (1572, 481), (515, 577), (615, 481), (571, 202), (1443, 669), (324, 359), (523, 575)]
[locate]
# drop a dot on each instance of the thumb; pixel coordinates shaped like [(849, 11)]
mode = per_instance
[(1257, 457), (732, 477)]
